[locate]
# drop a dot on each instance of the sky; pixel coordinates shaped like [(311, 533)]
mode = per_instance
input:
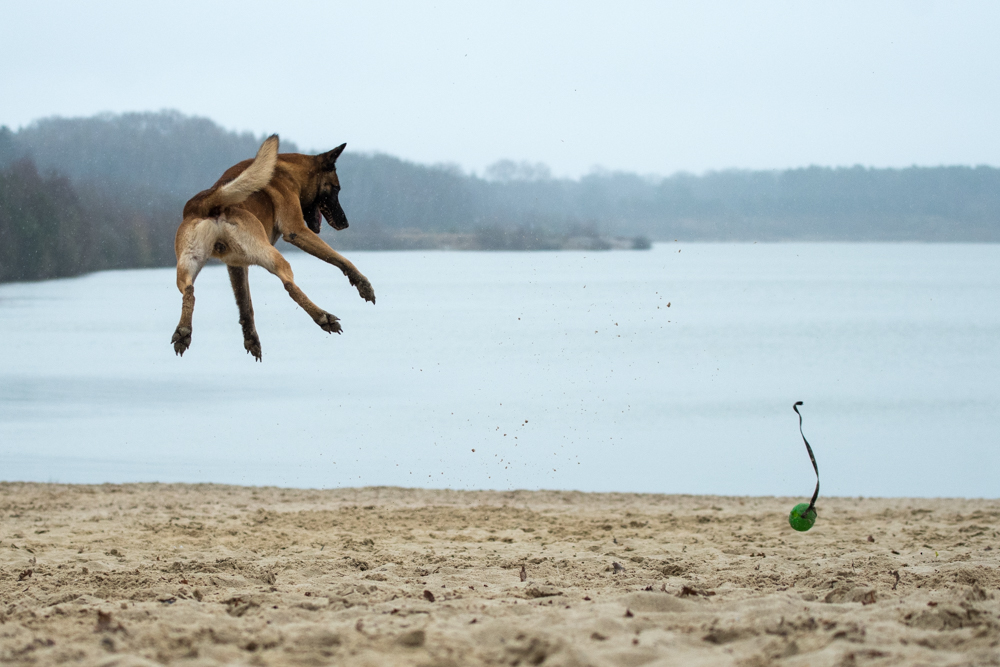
[(648, 87)]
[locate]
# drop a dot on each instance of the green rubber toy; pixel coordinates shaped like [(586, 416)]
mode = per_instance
[(802, 518), (803, 515)]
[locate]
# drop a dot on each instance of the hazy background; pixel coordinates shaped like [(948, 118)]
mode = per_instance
[(503, 126), (513, 126), (647, 87)]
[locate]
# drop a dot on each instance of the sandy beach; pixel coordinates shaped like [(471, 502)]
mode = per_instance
[(203, 574)]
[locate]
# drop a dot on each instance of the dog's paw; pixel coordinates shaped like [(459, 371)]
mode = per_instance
[(329, 323), (181, 340), (365, 288), (252, 345)]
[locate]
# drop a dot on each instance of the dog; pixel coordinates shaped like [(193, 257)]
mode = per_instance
[(240, 218)]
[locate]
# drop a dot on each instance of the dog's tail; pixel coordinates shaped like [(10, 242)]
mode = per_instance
[(253, 178)]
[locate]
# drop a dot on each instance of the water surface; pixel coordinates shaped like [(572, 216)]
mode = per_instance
[(672, 370)]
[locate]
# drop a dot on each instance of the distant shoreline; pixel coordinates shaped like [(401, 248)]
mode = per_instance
[(488, 239)]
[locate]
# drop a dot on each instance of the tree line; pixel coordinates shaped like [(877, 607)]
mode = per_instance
[(49, 230), (81, 194)]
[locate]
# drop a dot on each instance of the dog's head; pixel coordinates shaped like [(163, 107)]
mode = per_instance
[(325, 191)]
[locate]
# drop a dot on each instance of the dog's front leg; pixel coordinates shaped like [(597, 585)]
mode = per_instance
[(305, 239), (256, 248), (239, 278)]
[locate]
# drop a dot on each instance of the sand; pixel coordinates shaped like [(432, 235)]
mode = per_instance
[(202, 574)]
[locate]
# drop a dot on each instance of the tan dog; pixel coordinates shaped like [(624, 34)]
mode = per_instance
[(239, 219)]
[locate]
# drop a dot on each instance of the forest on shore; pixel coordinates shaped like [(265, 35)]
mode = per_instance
[(84, 194)]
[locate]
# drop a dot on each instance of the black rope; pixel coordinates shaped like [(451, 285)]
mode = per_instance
[(812, 503)]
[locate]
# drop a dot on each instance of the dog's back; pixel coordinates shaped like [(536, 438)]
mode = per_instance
[(237, 183)]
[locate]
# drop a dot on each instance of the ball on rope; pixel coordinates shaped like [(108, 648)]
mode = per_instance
[(803, 515)]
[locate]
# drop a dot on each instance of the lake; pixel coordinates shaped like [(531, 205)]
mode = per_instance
[(672, 371)]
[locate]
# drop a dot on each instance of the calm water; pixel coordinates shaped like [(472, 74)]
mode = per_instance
[(658, 371)]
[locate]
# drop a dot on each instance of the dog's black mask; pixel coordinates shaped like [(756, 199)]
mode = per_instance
[(326, 202), (329, 207), (332, 211)]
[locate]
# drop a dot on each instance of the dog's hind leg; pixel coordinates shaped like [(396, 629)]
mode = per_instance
[(238, 276), (182, 334), (193, 246)]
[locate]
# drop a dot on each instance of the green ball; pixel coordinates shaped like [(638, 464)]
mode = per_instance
[(800, 519)]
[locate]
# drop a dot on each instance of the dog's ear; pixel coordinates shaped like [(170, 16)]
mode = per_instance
[(328, 160)]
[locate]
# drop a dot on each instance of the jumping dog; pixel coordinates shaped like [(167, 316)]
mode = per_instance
[(240, 218)]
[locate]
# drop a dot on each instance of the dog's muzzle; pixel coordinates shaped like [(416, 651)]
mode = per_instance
[(333, 213)]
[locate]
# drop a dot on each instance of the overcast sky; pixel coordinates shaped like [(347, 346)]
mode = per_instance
[(653, 87)]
